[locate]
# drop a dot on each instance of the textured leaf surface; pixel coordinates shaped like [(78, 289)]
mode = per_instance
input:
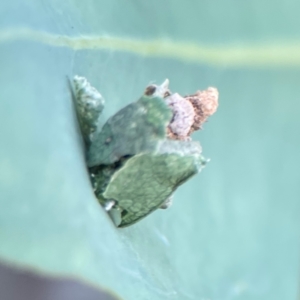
[(233, 231), (148, 179), (136, 128)]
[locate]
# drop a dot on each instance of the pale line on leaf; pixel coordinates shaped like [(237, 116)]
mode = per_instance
[(280, 54)]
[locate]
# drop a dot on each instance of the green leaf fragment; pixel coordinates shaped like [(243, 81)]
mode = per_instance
[(146, 180), (89, 106), (134, 129)]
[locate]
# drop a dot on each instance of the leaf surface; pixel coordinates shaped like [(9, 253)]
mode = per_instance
[(233, 230)]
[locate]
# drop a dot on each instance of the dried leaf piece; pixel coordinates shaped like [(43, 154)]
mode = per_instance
[(205, 104), (183, 117), (190, 112)]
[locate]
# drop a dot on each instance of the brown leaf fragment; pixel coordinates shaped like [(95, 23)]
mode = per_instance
[(205, 104), (190, 112)]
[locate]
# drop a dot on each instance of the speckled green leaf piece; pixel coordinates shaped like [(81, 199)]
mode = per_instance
[(146, 180), (134, 129), (89, 105)]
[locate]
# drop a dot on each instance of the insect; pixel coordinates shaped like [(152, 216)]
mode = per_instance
[(144, 152)]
